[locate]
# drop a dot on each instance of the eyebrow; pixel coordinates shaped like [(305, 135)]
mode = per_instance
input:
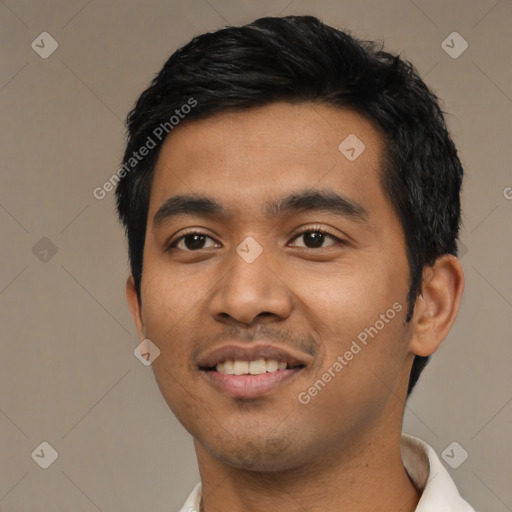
[(309, 200)]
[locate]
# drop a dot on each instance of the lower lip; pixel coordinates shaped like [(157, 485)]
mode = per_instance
[(249, 386)]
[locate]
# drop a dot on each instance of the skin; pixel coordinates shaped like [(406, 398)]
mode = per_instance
[(341, 451)]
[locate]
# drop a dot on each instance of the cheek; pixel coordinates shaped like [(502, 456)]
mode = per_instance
[(166, 297), (359, 313), (350, 296), (167, 310), (357, 380), (167, 306)]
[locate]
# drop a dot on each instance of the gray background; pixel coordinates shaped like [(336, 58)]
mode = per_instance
[(68, 375)]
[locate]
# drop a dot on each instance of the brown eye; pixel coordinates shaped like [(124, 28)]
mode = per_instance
[(314, 238), (191, 241)]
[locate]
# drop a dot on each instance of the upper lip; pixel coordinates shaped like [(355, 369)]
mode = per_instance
[(253, 352)]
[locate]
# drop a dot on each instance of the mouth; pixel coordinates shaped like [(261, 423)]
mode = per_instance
[(243, 373), (248, 367), (250, 379)]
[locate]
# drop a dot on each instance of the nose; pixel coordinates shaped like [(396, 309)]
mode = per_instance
[(248, 290)]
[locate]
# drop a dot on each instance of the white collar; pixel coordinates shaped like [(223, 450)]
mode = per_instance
[(439, 493)]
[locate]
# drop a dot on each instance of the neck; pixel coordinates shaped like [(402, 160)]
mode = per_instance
[(359, 477)]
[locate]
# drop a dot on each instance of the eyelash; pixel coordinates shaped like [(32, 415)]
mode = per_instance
[(309, 229)]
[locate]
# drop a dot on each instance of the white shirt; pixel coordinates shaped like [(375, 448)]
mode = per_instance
[(438, 491)]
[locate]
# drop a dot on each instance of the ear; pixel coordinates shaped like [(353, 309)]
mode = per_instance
[(437, 305), (135, 307)]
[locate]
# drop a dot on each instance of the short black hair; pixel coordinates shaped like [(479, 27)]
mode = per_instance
[(300, 59)]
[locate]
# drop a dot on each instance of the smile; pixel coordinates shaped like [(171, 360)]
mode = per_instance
[(245, 384), (256, 367)]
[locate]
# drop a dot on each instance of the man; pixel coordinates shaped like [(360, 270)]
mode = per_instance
[(291, 200)]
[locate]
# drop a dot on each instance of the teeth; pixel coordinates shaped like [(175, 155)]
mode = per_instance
[(272, 365), (256, 367), (240, 367)]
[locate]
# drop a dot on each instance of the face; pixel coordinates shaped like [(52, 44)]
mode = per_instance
[(299, 251)]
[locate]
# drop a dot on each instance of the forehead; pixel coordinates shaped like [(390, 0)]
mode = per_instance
[(247, 156)]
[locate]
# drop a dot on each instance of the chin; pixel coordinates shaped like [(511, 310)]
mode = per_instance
[(262, 454)]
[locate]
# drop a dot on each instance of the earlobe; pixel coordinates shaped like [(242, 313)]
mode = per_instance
[(438, 304), (135, 307)]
